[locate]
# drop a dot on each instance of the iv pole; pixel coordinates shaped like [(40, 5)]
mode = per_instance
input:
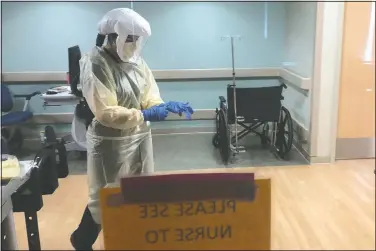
[(234, 87)]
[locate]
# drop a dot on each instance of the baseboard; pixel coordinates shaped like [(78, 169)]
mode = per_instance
[(51, 118), (300, 132), (302, 148), (301, 135), (319, 160), (355, 148), (67, 118), (183, 130), (200, 114), (31, 142)]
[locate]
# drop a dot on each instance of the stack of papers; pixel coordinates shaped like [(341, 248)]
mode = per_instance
[(60, 89)]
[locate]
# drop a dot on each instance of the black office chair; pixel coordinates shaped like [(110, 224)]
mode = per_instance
[(82, 110)]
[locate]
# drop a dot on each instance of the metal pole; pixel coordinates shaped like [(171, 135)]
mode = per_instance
[(233, 60), (234, 92), (8, 231), (234, 89)]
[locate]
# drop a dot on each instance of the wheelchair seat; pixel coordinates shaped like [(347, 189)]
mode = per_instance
[(6, 99), (14, 118)]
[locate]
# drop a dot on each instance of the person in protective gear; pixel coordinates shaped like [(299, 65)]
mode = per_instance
[(122, 93)]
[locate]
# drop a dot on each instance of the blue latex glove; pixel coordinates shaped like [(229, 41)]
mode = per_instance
[(155, 113), (179, 108)]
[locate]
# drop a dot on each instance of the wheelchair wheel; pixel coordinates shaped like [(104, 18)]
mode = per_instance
[(284, 136), (224, 137), (215, 140), (265, 135)]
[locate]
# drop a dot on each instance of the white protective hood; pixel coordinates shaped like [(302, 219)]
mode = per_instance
[(125, 22)]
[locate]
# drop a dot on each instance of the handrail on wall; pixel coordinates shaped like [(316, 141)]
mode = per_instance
[(291, 78)]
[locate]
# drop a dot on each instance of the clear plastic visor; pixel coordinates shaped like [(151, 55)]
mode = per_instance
[(129, 48)]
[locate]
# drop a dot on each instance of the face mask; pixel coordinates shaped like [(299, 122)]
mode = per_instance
[(128, 50)]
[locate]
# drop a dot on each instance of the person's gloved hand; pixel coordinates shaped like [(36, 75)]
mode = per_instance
[(179, 108), (155, 113)]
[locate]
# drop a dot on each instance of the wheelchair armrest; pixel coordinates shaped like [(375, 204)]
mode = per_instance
[(222, 99), (27, 96)]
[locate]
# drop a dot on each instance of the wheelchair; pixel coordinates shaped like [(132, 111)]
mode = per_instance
[(255, 110)]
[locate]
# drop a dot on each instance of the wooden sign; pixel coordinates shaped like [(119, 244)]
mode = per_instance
[(220, 211)]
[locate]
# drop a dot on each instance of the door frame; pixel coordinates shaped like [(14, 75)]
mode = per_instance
[(324, 94)]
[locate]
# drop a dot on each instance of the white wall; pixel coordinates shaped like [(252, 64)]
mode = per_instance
[(300, 37), (299, 55)]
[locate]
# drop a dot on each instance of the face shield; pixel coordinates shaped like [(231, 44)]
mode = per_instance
[(129, 48), (133, 33)]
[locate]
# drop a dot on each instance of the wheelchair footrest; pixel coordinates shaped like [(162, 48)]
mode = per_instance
[(241, 149), (240, 119)]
